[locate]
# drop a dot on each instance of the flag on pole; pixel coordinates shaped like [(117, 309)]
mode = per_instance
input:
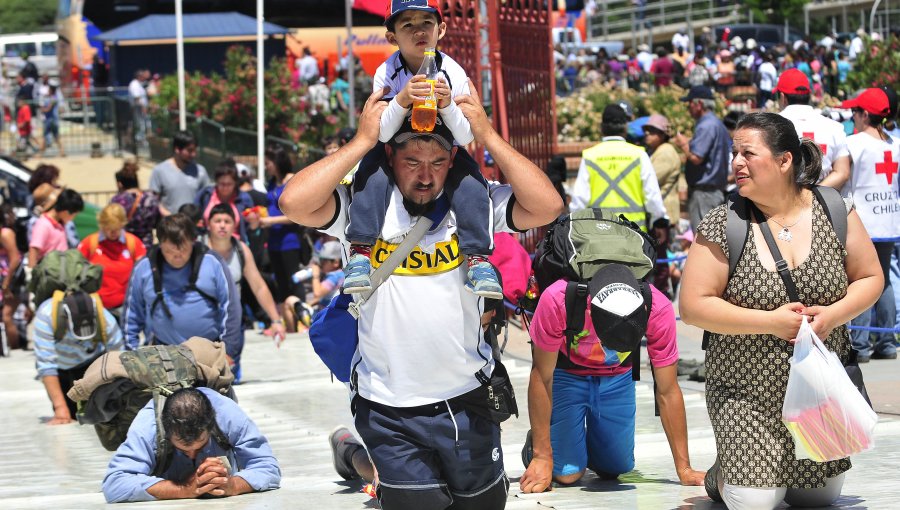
[(377, 7)]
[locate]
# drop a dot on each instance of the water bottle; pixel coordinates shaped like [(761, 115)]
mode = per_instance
[(424, 113), (302, 275)]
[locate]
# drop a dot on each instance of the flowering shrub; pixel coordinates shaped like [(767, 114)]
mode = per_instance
[(579, 115), (877, 65), (230, 99)]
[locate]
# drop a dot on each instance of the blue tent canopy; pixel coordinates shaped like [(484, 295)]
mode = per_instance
[(218, 25)]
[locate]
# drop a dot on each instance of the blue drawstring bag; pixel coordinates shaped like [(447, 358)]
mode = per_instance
[(334, 336)]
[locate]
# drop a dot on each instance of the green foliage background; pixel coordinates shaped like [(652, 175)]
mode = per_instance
[(878, 65), (775, 11), (578, 116), (230, 99), (27, 15)]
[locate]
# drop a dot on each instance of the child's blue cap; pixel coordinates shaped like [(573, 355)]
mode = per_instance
[(398, 6)]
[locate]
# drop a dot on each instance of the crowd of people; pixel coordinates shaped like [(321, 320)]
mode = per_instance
[(427, 383), (722, 64)]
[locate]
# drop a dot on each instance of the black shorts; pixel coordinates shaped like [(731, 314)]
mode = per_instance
[(429, 459)]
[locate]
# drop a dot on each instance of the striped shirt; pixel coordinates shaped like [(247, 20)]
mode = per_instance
[(52, 356)]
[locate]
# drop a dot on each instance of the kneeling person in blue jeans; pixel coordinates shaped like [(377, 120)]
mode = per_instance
[(581, 400)]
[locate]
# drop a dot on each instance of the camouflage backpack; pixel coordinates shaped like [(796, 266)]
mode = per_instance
[(155, 372)]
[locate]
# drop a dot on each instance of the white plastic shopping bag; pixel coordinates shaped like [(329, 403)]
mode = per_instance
[(824, 412)]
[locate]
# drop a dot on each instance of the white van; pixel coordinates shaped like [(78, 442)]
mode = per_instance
[(40, 47)]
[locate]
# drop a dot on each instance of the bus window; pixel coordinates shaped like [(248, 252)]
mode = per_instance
[(16, 49)]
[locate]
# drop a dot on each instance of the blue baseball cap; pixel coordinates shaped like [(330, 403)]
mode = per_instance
[(398, 6)]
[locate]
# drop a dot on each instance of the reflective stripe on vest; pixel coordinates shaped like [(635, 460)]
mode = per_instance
[(615, 180)]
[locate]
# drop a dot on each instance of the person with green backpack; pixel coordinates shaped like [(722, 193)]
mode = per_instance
[(595, 308), (71, 327)]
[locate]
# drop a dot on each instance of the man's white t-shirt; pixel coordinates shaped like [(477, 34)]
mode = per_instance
[(395, 74), (308, 68), (856, 47), (768, 76), (827, 133), (645, 59), (138, 93), (420, 338), (682, 40)]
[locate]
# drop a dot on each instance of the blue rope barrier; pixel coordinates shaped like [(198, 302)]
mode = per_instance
[(671, 259), (851, 327), (873, 329), (683, 257)]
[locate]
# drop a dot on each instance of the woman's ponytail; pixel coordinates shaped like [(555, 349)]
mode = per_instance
[(809, 166)]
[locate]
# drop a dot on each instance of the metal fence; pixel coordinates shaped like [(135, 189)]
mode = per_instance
[(621, 19), (98, 198), (216, 142), (96, 125)]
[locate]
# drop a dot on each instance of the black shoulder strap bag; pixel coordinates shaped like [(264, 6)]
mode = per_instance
[(851, 365)]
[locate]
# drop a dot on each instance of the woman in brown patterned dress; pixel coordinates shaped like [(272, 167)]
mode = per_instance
[(754, 324)]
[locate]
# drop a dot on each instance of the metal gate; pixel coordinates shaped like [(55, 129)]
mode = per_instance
[(527, 91), (463, 42), (520, 84)]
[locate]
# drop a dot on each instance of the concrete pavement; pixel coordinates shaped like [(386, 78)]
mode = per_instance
[(290, 396), (92, 176)]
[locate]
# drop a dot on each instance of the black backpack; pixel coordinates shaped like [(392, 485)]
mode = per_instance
[(575, 247), (156, 259)]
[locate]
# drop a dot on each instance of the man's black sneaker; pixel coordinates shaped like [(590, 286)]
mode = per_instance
[(710, 482), (341, 441), (890, 355)]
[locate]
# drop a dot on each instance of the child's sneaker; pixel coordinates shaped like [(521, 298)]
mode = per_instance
[(356, 274), (482, 278)]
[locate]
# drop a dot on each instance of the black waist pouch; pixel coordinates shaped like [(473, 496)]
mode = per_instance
[(495, 401)]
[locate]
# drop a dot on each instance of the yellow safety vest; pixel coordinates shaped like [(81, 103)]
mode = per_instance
[(614, 172)]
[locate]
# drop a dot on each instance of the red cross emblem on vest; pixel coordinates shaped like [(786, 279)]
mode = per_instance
[(888, 167), (812, 136)]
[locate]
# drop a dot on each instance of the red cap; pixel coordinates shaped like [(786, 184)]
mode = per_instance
[(874, 101), (395, 7), (793, 81)]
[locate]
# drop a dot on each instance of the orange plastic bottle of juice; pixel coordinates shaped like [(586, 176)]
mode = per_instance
[(424, 113)]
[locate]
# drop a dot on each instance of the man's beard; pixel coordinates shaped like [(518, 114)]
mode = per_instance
[(415, 209)]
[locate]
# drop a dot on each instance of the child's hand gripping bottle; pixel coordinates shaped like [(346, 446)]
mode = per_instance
[(424, 113)]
